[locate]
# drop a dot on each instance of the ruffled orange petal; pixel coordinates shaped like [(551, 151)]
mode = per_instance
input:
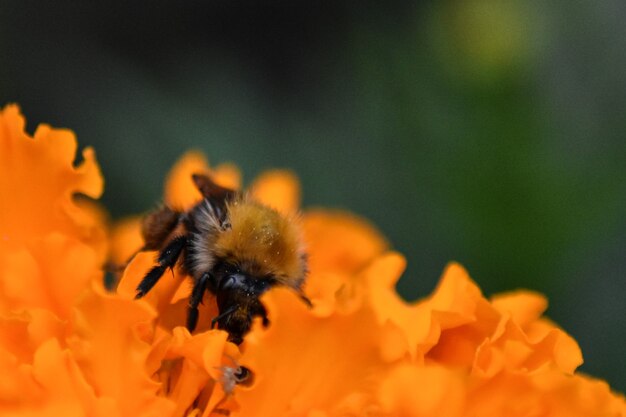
[(196, 366), (463, 317), (304, 362), (278, 189), (180, 191), (227, 175), (125, 240), (51, 242), (581, 395), (414, 329), (189, 378), (416, 391), (408, 329), (38, 181), (546, 393), (512, 349), (48, 273), (94, 221), (52, 386), (339, 242), (525, 307), (478, 335), (21, 334), (111, 343)]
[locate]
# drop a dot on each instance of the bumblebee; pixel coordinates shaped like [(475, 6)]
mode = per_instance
[(230, 245)]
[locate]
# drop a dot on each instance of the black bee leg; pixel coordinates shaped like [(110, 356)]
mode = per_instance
[(264, 319), (167, 259), (306, 300), (196, 298), (228, 312)]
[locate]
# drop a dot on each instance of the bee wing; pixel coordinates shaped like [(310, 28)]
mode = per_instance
[(215, 194)]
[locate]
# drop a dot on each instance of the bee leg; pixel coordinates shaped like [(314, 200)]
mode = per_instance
[(167, 259), (196, 298), (264, 320), (228, 312), (305, 300)]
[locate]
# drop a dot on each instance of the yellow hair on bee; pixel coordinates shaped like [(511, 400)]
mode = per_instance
[(262, 242)]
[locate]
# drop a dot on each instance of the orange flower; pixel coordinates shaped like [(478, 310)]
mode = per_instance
[(68, 347)]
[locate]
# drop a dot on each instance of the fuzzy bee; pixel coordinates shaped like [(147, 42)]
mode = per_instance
[(230, 245)]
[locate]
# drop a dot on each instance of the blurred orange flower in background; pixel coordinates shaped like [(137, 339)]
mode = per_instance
[(69, 347)]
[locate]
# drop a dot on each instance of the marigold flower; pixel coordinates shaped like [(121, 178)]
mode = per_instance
[(70, 347)]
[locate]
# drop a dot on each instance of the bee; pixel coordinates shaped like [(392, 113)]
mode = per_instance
[(230, 245)]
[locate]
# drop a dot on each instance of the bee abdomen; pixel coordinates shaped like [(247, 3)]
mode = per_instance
[(157, 226)]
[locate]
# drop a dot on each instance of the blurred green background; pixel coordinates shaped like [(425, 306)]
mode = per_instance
[(491, 132)]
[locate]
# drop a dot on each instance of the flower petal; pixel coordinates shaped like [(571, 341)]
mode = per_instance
[(339, 242), (111, 341), (53, 386), (279, 189), (37, 275), (408, 329), (39, 176), (180, 191), (125, 240), (524, 306), (302, 361), (22, 334), (546, 393), (415, 391)]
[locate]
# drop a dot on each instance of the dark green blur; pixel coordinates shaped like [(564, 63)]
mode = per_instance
[(491, 132)]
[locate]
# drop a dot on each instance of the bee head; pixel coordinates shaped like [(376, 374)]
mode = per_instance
[(238, 303)]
